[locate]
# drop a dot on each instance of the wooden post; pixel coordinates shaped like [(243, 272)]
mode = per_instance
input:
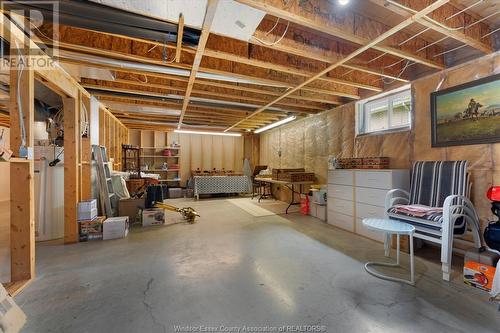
[(86, 156), (71, 151), (22, 204)]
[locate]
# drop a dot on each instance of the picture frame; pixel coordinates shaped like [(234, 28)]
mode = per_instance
[(466, 114)]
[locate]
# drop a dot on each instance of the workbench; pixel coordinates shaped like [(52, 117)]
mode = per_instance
[(292, 186)]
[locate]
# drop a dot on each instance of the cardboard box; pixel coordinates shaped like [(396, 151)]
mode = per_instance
[(91, 230), (130, 208), (115, 227), (479, 275), (175, 192), (487, 257), (12, 318), (153, 216), (87, 210)]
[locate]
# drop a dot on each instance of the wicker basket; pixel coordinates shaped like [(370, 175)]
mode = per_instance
[(375, 163), (278, 173), (298, 177)]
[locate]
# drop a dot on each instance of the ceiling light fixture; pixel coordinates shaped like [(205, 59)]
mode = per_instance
[(276, 124), (207, 133), (343, 2)]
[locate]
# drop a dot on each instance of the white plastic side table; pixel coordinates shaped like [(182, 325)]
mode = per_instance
[(391, 227)]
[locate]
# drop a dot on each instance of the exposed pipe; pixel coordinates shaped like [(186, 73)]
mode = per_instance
[(173, 124), (196, 100), (131, 65)]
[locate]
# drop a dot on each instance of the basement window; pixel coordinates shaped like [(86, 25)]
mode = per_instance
[(387, 112)]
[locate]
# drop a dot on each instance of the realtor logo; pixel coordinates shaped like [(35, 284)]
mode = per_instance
[(29, 34)]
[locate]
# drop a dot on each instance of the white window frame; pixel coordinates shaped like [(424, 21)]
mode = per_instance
[(388, 98)]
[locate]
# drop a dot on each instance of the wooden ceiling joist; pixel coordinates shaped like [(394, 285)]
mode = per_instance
[(180, 34), (285, 69), (145, 101), (146, 60), (213, 96), (300, 45), (205, 32), (237, 87), (342, 28), (219, 92), (441, 27), (354, 54)]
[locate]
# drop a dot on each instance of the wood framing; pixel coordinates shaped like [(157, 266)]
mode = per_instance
[(360, 50), (22, 200), (310, 18), (441, 27), (294, 41), (86, 153), (71, 158), (205, 32), (180, 33)]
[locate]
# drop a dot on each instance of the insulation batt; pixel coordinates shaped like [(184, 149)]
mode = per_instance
[(308, 142)]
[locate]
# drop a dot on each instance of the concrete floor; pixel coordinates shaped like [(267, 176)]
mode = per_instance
[(233, 269)]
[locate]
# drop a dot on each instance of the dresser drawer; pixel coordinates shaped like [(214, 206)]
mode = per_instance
[(341, 177), (341, 206), (340, 220), (371, 196), (368, 211), (364, 231), (340, 191), (374, 179)]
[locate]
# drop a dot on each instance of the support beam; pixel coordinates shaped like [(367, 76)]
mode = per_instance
[(22, 173), (354, 54), (71, 191), (86, 154), (180, 33), (435, 25), (205, 32)]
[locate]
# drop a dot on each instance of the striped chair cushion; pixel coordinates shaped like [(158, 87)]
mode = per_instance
[(431, 221), (433, 181)]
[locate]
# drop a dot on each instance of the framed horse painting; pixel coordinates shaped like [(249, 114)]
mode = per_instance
[(467, 114)]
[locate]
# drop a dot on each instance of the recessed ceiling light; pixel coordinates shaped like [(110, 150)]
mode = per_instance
[(343, 2)]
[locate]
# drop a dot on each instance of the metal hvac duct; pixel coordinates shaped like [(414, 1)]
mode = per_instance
[(132, 65)]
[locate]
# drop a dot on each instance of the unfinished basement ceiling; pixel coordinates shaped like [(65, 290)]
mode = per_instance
[(232, 19), (256, 51), (142, 109)]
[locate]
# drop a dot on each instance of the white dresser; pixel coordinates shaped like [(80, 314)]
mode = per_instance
[(357, 194)]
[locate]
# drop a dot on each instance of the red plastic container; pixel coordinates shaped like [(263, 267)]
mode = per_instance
[(304, 204)]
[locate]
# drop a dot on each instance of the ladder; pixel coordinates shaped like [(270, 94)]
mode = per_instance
[(107, 195)]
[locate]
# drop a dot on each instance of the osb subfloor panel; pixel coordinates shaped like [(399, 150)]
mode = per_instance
[(235, 269)]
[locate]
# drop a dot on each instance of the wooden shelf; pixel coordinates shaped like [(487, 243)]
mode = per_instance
[(161, 170)]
